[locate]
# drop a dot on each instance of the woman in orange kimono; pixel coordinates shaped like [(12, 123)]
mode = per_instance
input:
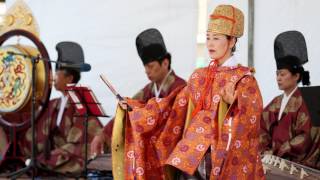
[(225, 121), (207, 130)]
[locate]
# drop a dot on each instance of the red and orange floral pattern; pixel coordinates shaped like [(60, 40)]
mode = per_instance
[(156, 135)]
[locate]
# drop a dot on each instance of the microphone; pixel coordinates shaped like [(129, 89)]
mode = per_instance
[(80, 67)]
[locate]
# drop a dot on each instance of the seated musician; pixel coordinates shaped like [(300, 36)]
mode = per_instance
[(157, 63), (59, 132), (285, 122)]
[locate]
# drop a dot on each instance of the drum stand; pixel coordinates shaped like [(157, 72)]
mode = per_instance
[(34, 60), (33, 163)]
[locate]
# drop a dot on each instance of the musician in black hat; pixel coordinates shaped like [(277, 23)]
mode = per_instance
[(60, 132), (157, 63), (285, 122)]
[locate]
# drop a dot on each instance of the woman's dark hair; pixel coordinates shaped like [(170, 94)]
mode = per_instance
[(293, 65), (306, 78), (304, 75), (234, 47)]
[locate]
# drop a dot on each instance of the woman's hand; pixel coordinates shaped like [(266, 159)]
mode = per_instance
[(228, 93)]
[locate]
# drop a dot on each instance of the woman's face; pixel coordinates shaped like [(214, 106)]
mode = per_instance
[(286, 80), (219, 46)]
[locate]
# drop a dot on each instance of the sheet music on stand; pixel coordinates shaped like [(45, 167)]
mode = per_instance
[(85, 102)]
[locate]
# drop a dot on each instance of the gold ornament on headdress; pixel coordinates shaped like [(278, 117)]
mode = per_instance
[(19, 16), (227, 20)]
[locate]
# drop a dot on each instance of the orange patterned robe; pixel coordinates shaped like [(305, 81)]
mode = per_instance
[(154, 131), (171, 83)]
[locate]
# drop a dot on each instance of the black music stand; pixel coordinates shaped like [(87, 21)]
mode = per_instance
[(32, 165), (86, 104)]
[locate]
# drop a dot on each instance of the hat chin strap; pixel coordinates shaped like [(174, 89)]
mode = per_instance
[(217, 60), (211, 70)]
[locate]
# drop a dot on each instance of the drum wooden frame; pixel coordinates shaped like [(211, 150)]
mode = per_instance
[(19, 115)]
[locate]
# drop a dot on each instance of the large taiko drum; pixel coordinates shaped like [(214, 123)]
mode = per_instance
[(16, 80)]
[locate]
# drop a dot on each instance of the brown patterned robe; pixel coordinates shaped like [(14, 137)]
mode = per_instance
[(60, 148), (288, 137)]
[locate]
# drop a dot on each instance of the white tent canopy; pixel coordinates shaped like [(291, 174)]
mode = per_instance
[(107, 31)]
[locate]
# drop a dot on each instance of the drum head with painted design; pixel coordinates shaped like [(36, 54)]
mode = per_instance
[(15, 79)]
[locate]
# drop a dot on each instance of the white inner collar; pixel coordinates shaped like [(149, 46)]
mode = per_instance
[(231, 61), (155, 88), (63, 103), (284, 102)]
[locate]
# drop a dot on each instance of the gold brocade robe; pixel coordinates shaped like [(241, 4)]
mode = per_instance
[(162, 132)]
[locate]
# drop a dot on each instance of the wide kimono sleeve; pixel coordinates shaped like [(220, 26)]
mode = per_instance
[(151, 131), (242, 158), (67, 153), (301, 139), (267, 117)]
